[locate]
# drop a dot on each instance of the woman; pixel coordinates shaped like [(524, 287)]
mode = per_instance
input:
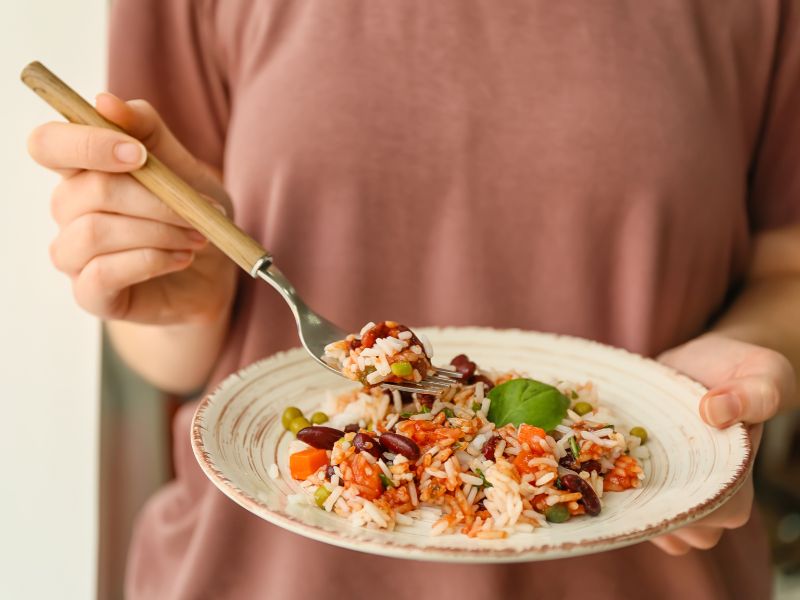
[(620, 171)]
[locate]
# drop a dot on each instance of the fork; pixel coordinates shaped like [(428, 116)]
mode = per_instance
[(315, 331)]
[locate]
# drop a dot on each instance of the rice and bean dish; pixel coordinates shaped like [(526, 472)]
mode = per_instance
[(494, 454), (386, 352)]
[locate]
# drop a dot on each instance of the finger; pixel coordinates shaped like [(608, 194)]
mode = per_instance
[(95, 234), (104, 287), (95, 191), (141, 120), (752, 399), (671, 545), (702, 538), (735, 512), (61, 146)]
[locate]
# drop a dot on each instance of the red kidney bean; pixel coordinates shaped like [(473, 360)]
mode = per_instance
[(355, 343), (490, 446), (589, 500), (464, 365), (400, 444), (589, 466), (364, 442), (426, 399), (319, 437), (352, 428), (568, 462)]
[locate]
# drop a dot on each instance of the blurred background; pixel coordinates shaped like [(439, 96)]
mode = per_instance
[(85, 442)]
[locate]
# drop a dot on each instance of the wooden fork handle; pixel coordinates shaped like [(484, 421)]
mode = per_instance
[(154, 175)]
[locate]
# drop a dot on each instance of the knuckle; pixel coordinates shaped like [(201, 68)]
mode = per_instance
[(100, 184), (93, 149), (84, 291), (54, 251), (58, 198), (151, 261), (89, 230), (769, 395)]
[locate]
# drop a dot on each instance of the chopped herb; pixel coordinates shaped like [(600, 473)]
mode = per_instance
[(425, 409), (387, 483), (448, 412), (476, 406), (485, 483), (573, 394), (576, 451), (405, 415)]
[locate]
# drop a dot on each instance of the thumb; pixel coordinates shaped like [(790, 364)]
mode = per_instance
[(142, 121), (751, 399)]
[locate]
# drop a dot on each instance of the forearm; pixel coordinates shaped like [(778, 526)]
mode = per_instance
[(767, 310), (174, 358)]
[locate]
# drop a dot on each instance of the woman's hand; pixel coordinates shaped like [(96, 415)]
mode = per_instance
[(129, 256), (746, 384)]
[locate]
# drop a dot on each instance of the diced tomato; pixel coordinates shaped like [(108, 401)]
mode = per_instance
[(365, 477), (527, 433)]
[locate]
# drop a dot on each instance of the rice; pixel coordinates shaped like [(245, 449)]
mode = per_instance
[(273, 471), (331, 500), (471, 479), (451, 486)]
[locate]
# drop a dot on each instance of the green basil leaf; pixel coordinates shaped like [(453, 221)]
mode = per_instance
[(527, 401)]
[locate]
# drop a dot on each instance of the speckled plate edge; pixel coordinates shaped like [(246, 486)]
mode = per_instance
[(461, 553)]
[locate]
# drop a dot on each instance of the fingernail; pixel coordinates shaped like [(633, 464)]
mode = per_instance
[(129, 153), (722, 410), (196, 236), (181, 255), (219, 207)]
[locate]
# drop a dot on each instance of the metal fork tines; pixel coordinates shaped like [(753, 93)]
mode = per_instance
[(435, 383)]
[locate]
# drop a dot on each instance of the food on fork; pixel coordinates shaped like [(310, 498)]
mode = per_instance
[(386, 352)]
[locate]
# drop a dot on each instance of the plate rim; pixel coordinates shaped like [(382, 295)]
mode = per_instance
[(467, 554)]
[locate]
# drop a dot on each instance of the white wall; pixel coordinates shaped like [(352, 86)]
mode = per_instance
[(49, 350)]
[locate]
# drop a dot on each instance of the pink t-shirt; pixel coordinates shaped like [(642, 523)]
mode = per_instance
[(589, 168)]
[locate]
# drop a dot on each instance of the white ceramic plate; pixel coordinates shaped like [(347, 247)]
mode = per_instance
[(693, 469)]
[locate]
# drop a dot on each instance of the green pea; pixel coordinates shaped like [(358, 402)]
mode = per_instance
[(289, 414), (402, 368), (558, 513), (319, 417), (640, 432), (298, 423), (321, 495), (582, 408)]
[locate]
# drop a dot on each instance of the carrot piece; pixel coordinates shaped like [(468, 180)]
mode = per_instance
[(305, 463), (521, 462), (528, 432)]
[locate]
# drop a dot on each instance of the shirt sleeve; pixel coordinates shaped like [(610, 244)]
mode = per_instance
[(165, 52), (775, 176)]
